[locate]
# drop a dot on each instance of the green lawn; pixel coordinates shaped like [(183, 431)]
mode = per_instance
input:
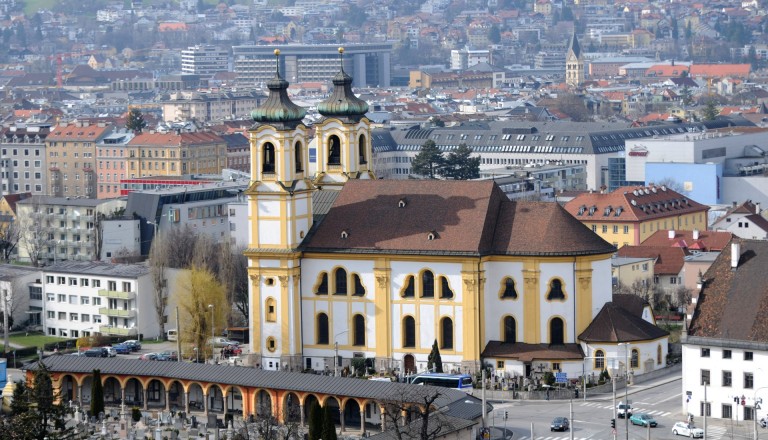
[(32, 6), (33, 340)]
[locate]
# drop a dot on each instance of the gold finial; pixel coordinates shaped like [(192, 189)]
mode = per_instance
[(277, 52), (341, 50), (277, 62)]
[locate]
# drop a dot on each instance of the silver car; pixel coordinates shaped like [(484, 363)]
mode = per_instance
[(688, 430), (111, 352)]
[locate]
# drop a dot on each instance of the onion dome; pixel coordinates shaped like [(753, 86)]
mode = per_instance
[(278, 108), (343, 103)]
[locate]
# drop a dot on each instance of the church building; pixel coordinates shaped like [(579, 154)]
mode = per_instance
[(342, 264), (574, 64)]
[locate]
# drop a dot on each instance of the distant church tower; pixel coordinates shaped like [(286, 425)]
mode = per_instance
[(344, 137), (574, 64), (280, 216)]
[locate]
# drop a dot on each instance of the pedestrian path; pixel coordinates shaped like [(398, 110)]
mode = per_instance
[(648, 411), (716, 432), (554, 438)]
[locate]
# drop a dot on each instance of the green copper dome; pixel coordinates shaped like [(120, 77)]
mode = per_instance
[(343, 102), (278, 108)]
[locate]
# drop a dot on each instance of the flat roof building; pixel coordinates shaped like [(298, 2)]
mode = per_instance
[(204, 60)]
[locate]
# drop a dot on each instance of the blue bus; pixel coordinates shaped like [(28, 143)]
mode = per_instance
[(461, 382)]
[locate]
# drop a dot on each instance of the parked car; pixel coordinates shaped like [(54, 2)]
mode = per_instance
[(96, 352), (688, 430), (642, 420), (122, 349), (559, 424), (148, 357), (111, 352), (133, 344), (623, 410), (221, 341), (167, 356)]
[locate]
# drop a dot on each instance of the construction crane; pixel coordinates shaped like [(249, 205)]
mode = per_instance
[(59, 57)]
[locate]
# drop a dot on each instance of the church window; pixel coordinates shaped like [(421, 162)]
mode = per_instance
[(446, 333), (408, 290), (556, 330), (599, 360), (322, 329), (268, 165), (359, 288), (510, 329), (361, 149), (298, 155), (445, 289), (634, 360), (340, 278), (271, 343), (358, 330), (271, 310), (427, 284), (322, 284), (409, 332), (556, 290), (334, 150), (508, 290)]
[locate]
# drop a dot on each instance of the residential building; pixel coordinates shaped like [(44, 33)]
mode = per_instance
[(537, 181), (58, 228), (630, 214), (71, 150), (207, 107), (462, 59), (204, 60), (154, 154), (238, 152), (111, 163), (121, 238), (631, 272), (743, 220), (726, 346), (22, 288), (368, 64), (23, 158)]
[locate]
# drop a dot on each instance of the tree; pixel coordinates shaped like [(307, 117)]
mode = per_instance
[(429, 161), (410, 414), (233, 274), (9, 239), (434, 361), (710, 111), (20, 402), (460, 165), (573, 106), (196, 290), (494, 35), (135, 121), (675, 30), (180, 242), (13, 298), (686, 96), (315, 421), (329, 428), (33, 233), (97, 394), (158, 263)]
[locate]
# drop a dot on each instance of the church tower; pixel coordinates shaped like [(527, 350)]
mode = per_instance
[(344, 136), (280, 215), (574, 64)]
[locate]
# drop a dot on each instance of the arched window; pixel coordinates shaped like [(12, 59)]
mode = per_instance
[(268, 165), (556, 290), (446, 333), (658, 355), (359, 288), (508, 288), (445, 289), (270, 310), (409, 332), (408, 290), (556, 329), (358, 330), (322, 329), (634, 360), (510, 329), (298, 153), (599, 360), (340, 278), (334, 150), (361, 149), (427, 284), (322, 284)]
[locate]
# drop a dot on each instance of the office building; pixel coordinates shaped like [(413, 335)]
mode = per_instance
[(204, 60)]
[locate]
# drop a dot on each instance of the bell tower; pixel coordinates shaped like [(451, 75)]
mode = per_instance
[(343, 137), (280, 215), (574, 64)]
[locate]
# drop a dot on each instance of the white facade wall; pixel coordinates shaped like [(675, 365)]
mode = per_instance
[(495, 273), (121, 237)]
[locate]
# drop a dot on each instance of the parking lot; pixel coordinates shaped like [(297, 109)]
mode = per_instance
[(166, 346)]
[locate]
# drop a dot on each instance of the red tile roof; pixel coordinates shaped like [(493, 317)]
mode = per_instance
[(71, 132), (669, 260), (614, 323), (193, 138), (524, 352), (708, 241)]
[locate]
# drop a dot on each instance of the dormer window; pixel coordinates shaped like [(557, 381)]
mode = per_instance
[(344, 235), (592, 210), (432, 235), (401, 203), (582, 208)]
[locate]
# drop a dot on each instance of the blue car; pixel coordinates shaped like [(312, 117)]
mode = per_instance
[(122, 349)]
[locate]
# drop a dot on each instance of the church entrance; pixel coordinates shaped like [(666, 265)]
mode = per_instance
[(409, 364)]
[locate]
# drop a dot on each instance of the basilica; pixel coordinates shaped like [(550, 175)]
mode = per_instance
[(343, 265)]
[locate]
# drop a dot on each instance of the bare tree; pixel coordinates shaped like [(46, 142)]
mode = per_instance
[(204, 253), (233, 273), (180, 246), (9, 239), (33, 235), (13, 298), (410, 414), (158, 263), (682, 296)]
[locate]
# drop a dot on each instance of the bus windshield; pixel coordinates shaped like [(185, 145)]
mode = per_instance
[(457, 381)]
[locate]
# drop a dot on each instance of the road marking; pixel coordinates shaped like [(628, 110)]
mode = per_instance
[(716, 432), (676, 396)]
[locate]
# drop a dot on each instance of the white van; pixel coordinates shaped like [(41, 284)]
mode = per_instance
[(172, 335)]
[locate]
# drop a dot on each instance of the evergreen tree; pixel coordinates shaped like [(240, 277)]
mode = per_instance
[(710, 111), (315, 421), (329, 428), (460, 165), (494, 35), (429, 161), (135, 121), (48, 408), (686, 96), (20, 403), (675, 30), (434, 361), (97, 394)]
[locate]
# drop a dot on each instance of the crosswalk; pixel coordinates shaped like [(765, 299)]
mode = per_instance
[(636, 410), (554, 438), (716, 432)]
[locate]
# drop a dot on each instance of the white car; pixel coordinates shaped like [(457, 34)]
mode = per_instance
[(688, 430), (623, 410), (111, 352)]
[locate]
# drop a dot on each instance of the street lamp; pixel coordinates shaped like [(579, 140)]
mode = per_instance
[(336, 352), (197, 355), (626, 387), (213, 335), (754, 416)]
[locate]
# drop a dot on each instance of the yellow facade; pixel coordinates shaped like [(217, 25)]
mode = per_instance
[(175, 160), (633, 233)]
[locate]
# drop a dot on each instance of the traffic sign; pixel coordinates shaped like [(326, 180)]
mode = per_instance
[(689, 393), (561, 377)]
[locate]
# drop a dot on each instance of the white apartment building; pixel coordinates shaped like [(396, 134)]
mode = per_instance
[(204, 60), (21, 295)]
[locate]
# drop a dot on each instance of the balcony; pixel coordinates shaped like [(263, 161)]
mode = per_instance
[(117, 331), (117, 313), (117, 295)]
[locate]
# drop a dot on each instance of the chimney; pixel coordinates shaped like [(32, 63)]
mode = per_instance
[(735, 255), (734, 203), (671, 234), (757, 208), (695, 234)]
